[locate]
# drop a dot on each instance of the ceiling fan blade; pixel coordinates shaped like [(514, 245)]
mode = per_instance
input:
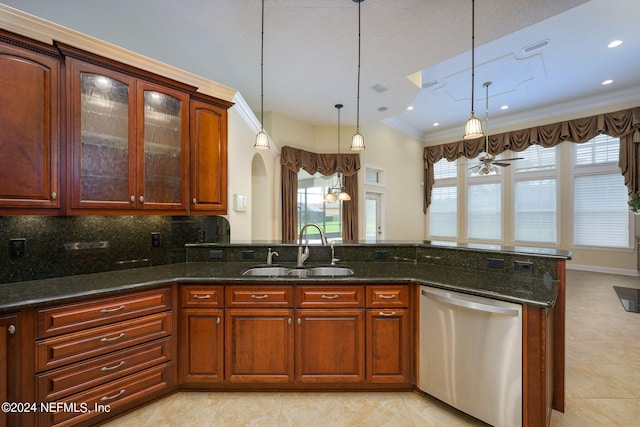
[(501, 164), (475, 168), (511, 159)]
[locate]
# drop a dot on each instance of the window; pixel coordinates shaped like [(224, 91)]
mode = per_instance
[(484, 204), (535, 195), (444, 200), (600, 210), (374, 175), (313, 208)]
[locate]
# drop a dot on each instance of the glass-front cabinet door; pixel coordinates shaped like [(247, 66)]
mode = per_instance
[(165, 132), (128, 141)]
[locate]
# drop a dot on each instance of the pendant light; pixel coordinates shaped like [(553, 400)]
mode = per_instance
[(339, 188), (357, 142), (473, 127), (488, 168), (262, 139)]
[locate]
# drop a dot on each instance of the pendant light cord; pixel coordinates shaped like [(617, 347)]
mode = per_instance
[(358, 97), (262, 69), (473, 36)]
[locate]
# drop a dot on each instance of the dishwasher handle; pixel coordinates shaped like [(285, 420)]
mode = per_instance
[(473, 305)]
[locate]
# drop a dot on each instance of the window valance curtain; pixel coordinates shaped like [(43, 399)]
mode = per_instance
[(291, 161), (623, 124)]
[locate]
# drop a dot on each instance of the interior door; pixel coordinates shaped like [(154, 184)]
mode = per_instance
[(373, 217)]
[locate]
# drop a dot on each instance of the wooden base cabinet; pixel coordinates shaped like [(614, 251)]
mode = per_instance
[(201, 334), (389, 334), (97, 358), (9, 367), (330, 345)]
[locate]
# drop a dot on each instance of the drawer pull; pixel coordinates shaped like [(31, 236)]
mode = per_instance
[(120, 393), (111, 368), (254, 296), (329, 296), (382, 313), (105, 339), (217, 320), (387, 296), (112, 310), (197, 296)]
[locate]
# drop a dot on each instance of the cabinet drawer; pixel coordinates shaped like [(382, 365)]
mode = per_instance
[(264, 296), (88, 314), (201, 296), (308, 296), (62, 382), (108, 398), (387, 296), (69, 348)]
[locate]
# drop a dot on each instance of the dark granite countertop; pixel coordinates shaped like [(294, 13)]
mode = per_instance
[(513, 287)]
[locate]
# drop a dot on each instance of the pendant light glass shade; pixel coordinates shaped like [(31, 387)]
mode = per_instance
[(343, 195), (329, 197), (473, 127), (262, 139), (357, 142)]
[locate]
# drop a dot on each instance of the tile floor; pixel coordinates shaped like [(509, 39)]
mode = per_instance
[(602, 382)]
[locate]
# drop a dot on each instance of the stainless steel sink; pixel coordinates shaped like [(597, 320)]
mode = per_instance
[(330, 271), (266, 271), (278, 271)]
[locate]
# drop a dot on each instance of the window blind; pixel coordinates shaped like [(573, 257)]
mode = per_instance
[(443, 212), (535, 211), (601, 214), (484, 211)]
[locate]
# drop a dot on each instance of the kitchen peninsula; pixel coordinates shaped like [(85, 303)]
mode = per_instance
[(126, 337)]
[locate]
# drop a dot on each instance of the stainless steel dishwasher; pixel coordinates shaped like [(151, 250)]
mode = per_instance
[(471, 354)]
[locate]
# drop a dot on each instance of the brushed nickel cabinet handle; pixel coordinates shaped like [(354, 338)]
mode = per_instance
[(132, 198), (141, 198), (120, 393), (329, 296), (195, 202), (54, 195), (11, 329), (111, 310), (217, 320), (387, 296), (265, 296), (197, 296), (105, 339), (111, 368), (382, 313)]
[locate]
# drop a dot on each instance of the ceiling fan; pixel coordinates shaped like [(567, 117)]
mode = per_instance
[(488, 161)]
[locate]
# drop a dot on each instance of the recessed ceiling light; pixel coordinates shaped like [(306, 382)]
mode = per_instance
[(607, 82), (410, 107), (436, 124), (381, 109), (615, 43), (504, 107)]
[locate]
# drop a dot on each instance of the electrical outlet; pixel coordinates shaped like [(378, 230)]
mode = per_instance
[(216, 254), (248, 255), (524, 266), (202, 236), (382, 255), (155, 240), (495, 263), (18, 247)]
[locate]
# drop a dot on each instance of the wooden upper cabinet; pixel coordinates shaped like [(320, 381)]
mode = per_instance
[(208, 157), (128, 143), (29, 125)]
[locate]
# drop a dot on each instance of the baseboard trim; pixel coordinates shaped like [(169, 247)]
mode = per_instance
[(601, 269)]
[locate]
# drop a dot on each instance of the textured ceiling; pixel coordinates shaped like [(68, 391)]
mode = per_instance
[(311, 53)]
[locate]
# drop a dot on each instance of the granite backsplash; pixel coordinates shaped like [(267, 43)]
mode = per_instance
[(59, 246)]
